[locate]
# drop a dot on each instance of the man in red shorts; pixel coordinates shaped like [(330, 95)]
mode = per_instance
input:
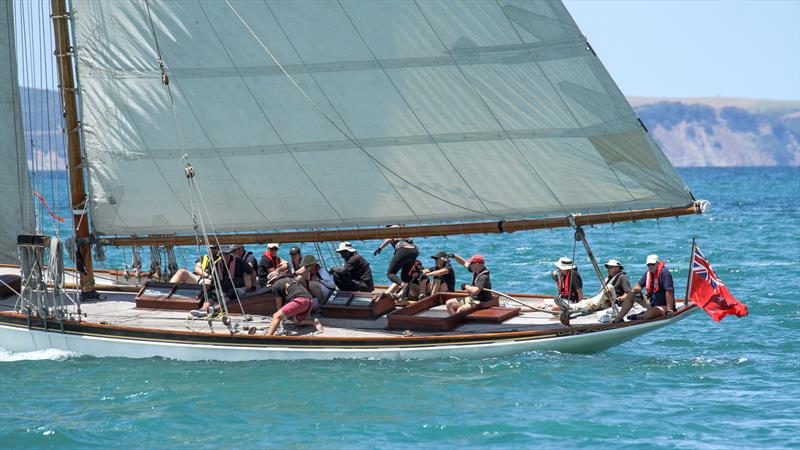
[(294, 301)]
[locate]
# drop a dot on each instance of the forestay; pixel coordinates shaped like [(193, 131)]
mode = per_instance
[(16, 210), (460, 111)]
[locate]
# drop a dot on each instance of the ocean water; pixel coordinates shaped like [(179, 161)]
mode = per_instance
[(695, 385)]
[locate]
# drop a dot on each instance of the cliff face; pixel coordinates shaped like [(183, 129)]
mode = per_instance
[(720, 132)]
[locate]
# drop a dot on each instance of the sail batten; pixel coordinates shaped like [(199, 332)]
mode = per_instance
[(419, 112)]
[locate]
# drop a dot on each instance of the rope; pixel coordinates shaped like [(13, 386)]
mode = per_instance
[(337, 127)]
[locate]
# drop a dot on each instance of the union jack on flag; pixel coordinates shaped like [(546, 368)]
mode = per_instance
[(702, 268), (709, 292)]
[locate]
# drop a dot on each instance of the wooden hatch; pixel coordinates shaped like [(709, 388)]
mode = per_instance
[(428, 314)]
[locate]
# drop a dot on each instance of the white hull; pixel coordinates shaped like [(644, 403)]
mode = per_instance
[(18, 339)]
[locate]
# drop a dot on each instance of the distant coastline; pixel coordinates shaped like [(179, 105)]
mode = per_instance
[(723, 132)]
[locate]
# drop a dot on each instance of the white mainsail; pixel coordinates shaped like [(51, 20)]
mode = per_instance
[(16, 209), (460, 111)]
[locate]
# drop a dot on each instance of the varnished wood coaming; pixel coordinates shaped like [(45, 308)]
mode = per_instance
[(90, 329)]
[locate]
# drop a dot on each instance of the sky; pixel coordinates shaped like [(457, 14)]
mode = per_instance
[(687, 48), (696, 48)]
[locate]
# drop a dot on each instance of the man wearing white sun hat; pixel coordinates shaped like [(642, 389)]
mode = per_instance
[(355, 274)]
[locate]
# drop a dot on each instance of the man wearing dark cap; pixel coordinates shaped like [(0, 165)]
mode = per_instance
[(476, 290), (444, 277), (295, 258)]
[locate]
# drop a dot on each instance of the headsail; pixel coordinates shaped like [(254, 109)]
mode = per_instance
[(420, 112), (16, 210)]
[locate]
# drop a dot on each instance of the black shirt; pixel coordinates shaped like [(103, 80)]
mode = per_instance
[(233, 275), (359, 270), (250, 260), (265, 266), (574, 284), (289, 289), (449, 277), (482, 280)]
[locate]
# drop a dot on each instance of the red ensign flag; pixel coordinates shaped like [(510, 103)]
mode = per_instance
[(708, 292)]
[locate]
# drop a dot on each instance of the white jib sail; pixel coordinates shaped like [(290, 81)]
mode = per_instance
[(16, 210), (460, 111)]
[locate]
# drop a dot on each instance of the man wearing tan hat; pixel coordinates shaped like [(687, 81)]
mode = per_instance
[(308, 274), (617, 278), (657, 281), (477, 289), (270, 262)]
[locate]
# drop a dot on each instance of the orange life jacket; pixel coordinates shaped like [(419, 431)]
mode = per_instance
[(651, 282), (564, 285), (275, 260)]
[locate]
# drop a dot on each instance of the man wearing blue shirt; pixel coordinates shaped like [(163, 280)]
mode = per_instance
[(657, 282)]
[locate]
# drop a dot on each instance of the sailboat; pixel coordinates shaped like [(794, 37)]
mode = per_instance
[(190, 123)]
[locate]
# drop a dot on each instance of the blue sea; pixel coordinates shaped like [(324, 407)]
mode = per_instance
[(694, 385)]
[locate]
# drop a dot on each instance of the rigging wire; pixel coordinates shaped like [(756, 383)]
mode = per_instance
[(338, 128)]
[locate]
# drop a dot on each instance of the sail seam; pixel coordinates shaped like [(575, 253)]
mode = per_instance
[(325, 95), (269, 122), (414, 113), (491, 111), (335, 125)]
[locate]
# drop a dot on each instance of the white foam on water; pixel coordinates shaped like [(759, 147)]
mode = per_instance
[(51, 354)]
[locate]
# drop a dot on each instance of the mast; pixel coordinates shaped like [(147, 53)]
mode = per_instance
[(78, 198), (503, 226)]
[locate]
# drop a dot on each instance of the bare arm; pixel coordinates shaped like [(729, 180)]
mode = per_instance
[(471, 290), (435, 273), (670, 300), (459, 259)]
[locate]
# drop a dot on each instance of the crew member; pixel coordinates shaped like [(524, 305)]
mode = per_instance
[(477, 290), (355, 274), (657, 282)]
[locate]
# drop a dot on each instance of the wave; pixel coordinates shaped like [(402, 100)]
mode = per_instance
[(50, 354)]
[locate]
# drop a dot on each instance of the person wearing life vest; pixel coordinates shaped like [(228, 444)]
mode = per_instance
[(659, 289), (234, 280), (270, 261), (248, 258), (202, 268), (476, 290), (444, 277), (568, 280), (318, 282)]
